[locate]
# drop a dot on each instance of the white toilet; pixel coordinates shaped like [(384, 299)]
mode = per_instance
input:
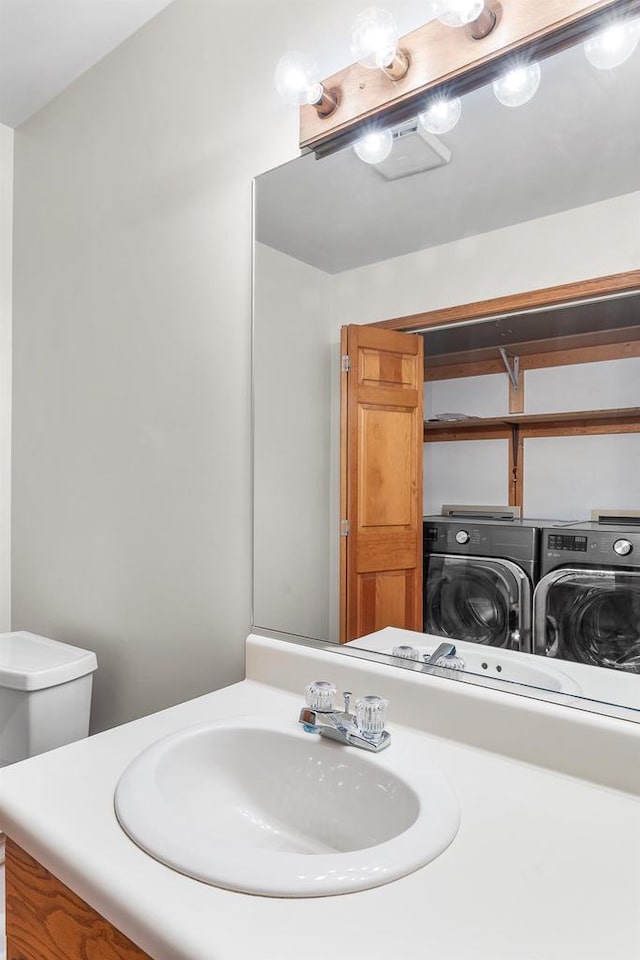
[(45, 694)]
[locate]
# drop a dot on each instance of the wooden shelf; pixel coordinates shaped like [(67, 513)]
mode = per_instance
[(555, 351), (586, 322), (571, 423)]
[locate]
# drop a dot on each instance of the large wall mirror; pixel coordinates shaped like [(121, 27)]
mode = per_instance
[(512, 200)]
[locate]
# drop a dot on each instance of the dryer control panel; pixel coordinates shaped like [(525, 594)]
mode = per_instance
[(567, 541)]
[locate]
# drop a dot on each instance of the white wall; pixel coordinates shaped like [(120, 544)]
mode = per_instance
[(473, 472), (132, 357), (590, 241), (6, 244), (292, 380), (567, 477), (132, 493), (474, 396), (584, 386), (132, 307)]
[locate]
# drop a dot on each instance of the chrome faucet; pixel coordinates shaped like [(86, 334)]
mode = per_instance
[(364, 729), (445, 655)]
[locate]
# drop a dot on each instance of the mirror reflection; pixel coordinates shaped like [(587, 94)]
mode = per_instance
[(529, 514)]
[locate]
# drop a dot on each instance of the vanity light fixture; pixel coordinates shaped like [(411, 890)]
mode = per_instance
[(518, 85), (441, 115), (611, 47), (473, 14), (297, 79), (375, 146), (374, 43)]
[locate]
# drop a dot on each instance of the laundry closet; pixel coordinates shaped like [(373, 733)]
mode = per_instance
[(555, 435)]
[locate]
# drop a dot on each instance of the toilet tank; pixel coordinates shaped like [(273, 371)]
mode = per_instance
[(45, 694)]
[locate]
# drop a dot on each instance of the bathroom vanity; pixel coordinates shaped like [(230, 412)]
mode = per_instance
[(546, 853)]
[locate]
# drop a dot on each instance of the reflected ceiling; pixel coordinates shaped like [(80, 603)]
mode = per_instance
[(341, 203)]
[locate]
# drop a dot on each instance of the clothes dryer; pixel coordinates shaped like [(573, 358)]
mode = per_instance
[(479, 575), (587, 603)]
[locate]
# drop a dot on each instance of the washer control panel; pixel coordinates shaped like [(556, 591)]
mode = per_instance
[(466, 537), (448, 535)]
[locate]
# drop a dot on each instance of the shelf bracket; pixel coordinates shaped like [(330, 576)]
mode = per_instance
[(512, 366)]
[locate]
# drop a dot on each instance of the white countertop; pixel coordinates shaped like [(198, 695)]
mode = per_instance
[(614, 688), (546, 866)]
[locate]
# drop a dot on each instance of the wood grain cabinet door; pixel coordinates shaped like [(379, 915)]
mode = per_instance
[(48, 921), (381, 480)]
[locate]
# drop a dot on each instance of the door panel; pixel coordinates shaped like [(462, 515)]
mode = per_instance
[(385, 599), (386, 443), (382, 424), (381, 367)]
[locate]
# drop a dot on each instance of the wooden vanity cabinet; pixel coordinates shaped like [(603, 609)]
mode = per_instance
[(48, 921)]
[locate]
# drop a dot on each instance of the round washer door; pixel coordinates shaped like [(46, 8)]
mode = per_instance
[(592, 616), (477, 599)]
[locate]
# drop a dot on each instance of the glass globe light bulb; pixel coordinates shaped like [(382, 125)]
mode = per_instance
[(297, 79), (612, 46), (517, 86), (441, 115), (374, 147), (374, 38), (457, 13)]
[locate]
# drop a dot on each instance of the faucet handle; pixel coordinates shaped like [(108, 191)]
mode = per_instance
[(406, 653), (371, 717), (320, 695)]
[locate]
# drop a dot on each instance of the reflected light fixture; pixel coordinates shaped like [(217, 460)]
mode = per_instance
[(441, 115), (474, 14), (297, 80), (374, 147), (611, 47), (518, 85), (374, 43)]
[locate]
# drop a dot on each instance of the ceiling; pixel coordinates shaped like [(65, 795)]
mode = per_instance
[(47, 44), (577, 142)]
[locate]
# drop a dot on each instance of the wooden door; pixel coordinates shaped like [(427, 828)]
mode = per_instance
[(381, 481)]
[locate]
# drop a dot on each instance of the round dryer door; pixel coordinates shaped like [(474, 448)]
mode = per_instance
[(477, 599), (591, 617)]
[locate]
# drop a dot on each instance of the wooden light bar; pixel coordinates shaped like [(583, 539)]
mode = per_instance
[(449, 58)]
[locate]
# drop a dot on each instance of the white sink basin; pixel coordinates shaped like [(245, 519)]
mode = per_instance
[(280, 812), (510, 666), (547, 678)]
